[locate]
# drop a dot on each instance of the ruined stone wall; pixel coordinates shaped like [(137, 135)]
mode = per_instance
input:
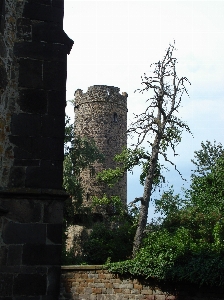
[(101, 114), (33, 64)]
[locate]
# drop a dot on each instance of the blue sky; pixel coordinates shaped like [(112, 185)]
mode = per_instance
[(116, 41)]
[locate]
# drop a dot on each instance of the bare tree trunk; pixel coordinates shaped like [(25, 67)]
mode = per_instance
[(143, 214)]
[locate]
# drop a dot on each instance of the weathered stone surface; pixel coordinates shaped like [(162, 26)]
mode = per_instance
[(33, 101), (41, 254), (6, 284), (3, 256), (54, 233), (2, 13), (17, 176), (51, 80), (53, 212), (26, 125), (32, 107), (53, 126), (36, 11), (17, 233), (3, 76), (14, 255), (42, 51), (53, 278), (101, 114), (30, 73), (24, 31), (56, 100), (23, 210), (30, 284)]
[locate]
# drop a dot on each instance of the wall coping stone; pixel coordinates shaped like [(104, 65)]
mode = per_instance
[(83, 267)]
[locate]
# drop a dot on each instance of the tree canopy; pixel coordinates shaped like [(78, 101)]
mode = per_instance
[(187, 243)]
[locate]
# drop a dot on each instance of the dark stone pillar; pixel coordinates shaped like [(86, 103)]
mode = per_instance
[(33, 64)]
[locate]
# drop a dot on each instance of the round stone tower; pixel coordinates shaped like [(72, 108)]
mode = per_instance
[(101, 114)]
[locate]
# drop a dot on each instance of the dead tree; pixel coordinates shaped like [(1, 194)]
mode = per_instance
[(158, 125)]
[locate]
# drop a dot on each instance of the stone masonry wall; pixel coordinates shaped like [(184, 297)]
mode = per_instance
[(33, 64), (101, 114), (94, 283)]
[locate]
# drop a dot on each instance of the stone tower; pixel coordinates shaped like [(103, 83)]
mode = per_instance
[(101, 114)]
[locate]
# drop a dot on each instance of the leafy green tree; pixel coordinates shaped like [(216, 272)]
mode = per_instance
[(79, 153), (187, 243), (206, 157), (109, 242)]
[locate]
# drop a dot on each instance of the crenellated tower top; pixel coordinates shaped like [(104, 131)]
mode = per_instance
[(99, 93)]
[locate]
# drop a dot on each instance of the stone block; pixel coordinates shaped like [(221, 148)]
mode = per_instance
[(26, 125), (27, 162), (53, 212), (34, 254), (51, 148), (3, 76), (160, 297), (53, 126), (155, 291), (2, 20), (54, 233), (14, 255), (33, 177), (16, 233), (17, 176), (58, 3), (49, 32), (3, 255), (3, 52), (41, 50), (99, 285), (126, 286), (53, 279), (24, 147), (54, 75), (23, 210), (33, 101), (36, 11), (56, 103), (51, 177), (146, 292), (30, 284), (6, 284), (30, 73), (24, 30)]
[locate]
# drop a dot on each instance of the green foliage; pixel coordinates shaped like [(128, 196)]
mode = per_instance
[(187, 242), (206, 157), (80, 153), (114, 203), (127, 160), (108, 242)]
